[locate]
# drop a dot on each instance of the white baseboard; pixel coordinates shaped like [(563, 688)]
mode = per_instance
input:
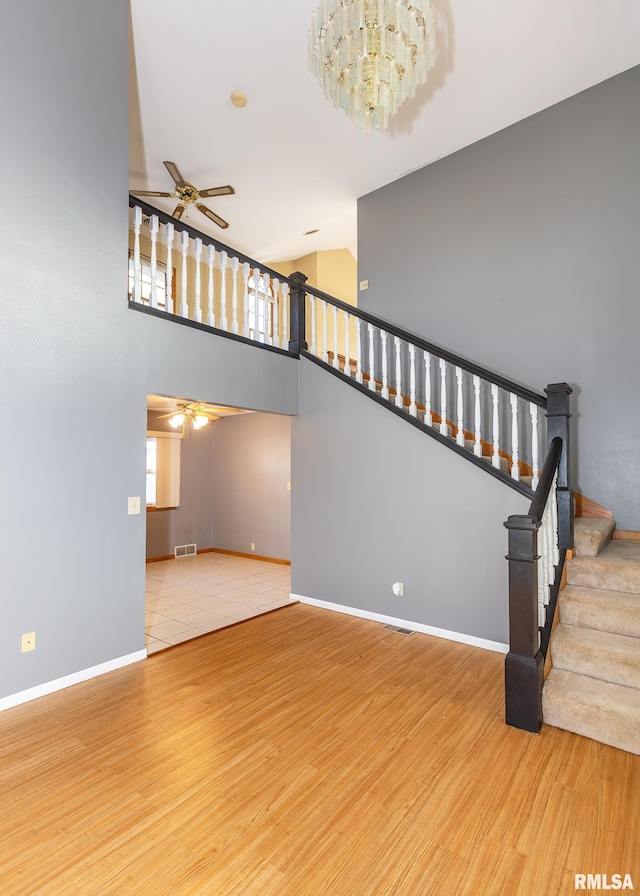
[(496, 646), (58, 684)]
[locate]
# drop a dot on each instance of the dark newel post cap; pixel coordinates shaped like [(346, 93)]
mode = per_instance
[(299, 278), (559, 387)]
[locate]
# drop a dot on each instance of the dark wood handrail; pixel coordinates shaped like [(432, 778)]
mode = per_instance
[(551, 464)]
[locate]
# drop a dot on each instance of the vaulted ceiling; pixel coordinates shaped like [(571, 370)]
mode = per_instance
[(296, 163)]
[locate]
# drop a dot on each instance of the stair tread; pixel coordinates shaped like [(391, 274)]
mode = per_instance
[(591, 536), (606, 712), (597, 608), (616, 568), (603, 655)]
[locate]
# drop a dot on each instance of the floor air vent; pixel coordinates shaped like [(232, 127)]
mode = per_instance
[(396, 628), (185, 550)]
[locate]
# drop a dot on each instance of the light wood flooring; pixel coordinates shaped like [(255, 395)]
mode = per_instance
[(186, 598), (305, 753)]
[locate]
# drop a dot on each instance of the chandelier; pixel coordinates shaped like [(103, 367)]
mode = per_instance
[(370, 55)]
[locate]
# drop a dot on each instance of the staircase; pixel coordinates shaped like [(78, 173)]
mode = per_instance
[(593, 688)]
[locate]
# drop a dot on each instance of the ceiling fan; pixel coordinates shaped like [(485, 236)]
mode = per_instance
[(198, 414), (187, 194)]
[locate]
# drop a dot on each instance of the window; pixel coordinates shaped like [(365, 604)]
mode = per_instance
[(145, 278), (163, 470), (261, 305)]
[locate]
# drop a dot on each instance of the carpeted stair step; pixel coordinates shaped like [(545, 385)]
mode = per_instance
[(616, 568), (590, 536), (604, 655), (606, 712), (607, 611)]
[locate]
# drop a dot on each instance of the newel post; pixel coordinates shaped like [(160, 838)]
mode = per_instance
[(524, 664), (558, 417), (297, 341)]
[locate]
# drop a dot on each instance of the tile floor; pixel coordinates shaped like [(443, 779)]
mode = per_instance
[(186, 598)]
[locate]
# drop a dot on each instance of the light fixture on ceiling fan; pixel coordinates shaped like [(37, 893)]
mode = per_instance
[(197, 414), (187, 194)]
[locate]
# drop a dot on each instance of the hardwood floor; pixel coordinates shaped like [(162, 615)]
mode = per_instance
[(305, 753)]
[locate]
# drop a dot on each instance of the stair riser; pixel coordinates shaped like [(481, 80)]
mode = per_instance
[(613, 728), (612, 576)]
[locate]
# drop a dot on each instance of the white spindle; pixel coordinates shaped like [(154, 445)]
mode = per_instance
[(543, 587), (224, 258), (136, 290), (154, 227), (276, 311), (385, 381), (325, 341), (245, 301), (412, 381), (197, 251), (235, 264), (264, 308), (358, 353), (399, 396), (168, 238), (495, 460), (477, 445), (460, 408), (312, 315), (515, 470), (285, 315), (443, 397), (211, 261), (535, 463), (347, 347), (554, 520), (336, 360), (184, 248), (428, 419), (372, 363), (257, 334)]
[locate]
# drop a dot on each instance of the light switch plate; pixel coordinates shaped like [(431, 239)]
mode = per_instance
[(134, 506)]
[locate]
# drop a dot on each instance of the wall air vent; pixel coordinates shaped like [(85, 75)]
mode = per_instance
[(185, 550)]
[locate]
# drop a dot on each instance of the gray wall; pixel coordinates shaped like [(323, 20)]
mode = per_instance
[(251, 469), (233, 488), (521, 252), (75, 363), (376, 501)]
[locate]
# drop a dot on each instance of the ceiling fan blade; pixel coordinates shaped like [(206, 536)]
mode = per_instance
[(172, 168), (218, 191), (178, 211), (151, 193), (223, 411), (212, 215)]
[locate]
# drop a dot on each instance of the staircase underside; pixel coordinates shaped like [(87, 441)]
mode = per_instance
[(593, 688)]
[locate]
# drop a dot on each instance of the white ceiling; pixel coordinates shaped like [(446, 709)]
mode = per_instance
[(296, 162)]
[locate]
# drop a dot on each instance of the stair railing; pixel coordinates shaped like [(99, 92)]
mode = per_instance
[(492, 421), (538, 543)]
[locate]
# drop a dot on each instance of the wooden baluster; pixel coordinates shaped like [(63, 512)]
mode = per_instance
[(413, 410), (515, 469), (245, 301), (211, 261), (184, 247), (325, 342), (312, 315), (477, 446), (224, 258), (275, 306), (495, 460), (358, 352), (553, 498), (168, 299), (399, 396), (285, 315), (235, 264), (460, 409), (136, 289), (347, 347), (336, 359), (256, 305), (542, 572), (197, 249), (443, 397), (372, 361), (428, 417), (385, 381), (535, 463), (264, 308), (154, 227)]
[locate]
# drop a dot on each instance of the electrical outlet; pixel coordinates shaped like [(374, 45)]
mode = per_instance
[(253, 545), (28, 642), (288, 486), (398, 589), (364, 284), (133, 506)]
